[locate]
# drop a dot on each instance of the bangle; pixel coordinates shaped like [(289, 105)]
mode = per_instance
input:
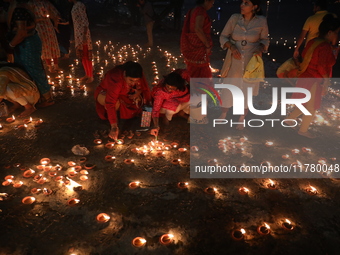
[(10, 45)]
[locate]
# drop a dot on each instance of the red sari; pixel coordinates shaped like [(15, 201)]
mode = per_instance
[(117, 90), (320, 64), (192, 48)]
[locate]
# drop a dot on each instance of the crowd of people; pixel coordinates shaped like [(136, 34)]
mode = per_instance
[(124, 90)]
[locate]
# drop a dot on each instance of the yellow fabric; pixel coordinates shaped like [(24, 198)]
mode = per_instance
[(309, 54), (306, 119), (17, 80), (312, 25), (254, 70), (286, 67)]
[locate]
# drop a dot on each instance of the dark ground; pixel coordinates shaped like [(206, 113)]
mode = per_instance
[(201, 223)]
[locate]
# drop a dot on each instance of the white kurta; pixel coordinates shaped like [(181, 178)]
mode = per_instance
[(246, 39)]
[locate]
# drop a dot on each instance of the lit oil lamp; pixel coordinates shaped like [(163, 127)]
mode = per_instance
[(183, 185), (10, 119), (333, 159), (129, 161), (38, 123), (73, 202), (28, 200), (47, 168), (72, 173), (311, 190), (42, 180), (306, 150), (45, 161), (243, 139), (271, 184), (210, 191), (174, 145), (166, 239), (160, 154), (28, 173), (77, 168), (89, 166), (238, 234), (35, 191), (47, 191), (287, 224), (263, 229), (322, 161), (212, 162), (176, 161), (18, 184), (84, 172), (72, 163), (109, 145), (59, 178), (120, 141), (7, 182), (17, 164), (57, 167), (103, 217), (110, 158), (243, 191), (295, 151), (7, 177), (182, 149), (269, 144), (134, 185), (194, 149), (52, 174), (27, 121), (138, 242), (37, 177), (83, 178), (97, 141), (286, 156)]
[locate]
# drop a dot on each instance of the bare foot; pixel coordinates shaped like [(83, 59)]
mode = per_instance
[(27, 112), (13, 107), (89, 80), (46, 103), (307, 134)]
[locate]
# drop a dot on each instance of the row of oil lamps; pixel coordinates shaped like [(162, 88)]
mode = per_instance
[(25, 123)]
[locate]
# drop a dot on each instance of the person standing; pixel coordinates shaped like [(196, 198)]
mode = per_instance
[(148, 14), (44, 12), (82, 38), (244, 35), (311, 26), (196, 42)]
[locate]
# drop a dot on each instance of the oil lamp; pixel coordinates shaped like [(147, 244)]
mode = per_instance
[(166, 239), (271, 184), (263, 229), (311, 190), (28, 200), (287, 224), (243, 191), (210, 191), (103, 217), (238, 234), (183, 185), (138, 242), (134, 185), (73, 201)]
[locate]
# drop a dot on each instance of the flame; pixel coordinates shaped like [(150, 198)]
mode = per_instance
[(245, 189), (31, 119), (72, 184), (312, 189), (186, 183), (266, 225), (242, 231), (142, 240), (215, 189), (13, 117), (288, 221), (271, 182)]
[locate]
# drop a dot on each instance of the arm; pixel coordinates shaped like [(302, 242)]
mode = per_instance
[(21, 33), (225, 37), (299, 43), (264, 40), (158, 102), (199, 31)]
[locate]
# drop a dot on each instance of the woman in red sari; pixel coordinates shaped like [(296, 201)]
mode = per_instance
[(196, 42), (316, 70), (124, 90)]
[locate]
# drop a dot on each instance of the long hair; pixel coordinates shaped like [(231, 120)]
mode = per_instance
[(133, 69), (176, 80), (258, 11), (329, 23)]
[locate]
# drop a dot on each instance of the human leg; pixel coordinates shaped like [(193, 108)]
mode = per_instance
[(149, 28), (87, 64)]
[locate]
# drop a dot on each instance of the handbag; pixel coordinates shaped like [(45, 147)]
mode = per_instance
[(254, 72), (146, 116)]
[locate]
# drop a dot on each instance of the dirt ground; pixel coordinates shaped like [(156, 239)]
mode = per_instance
[(201, 223)]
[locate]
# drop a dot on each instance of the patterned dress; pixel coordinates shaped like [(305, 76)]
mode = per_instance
[(46, 32), (80, 21)]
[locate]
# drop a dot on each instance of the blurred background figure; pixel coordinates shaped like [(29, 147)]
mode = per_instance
[(148, 15)]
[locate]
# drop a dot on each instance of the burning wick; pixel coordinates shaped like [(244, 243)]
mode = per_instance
[(210, 191), (27, 121), (129, 161), (97, 141), (134, 185), (47, 191), (263, 229), (183, 185), (35, 190), (38, 123), (9, 177), (243, 191), (238, 234), (271, 184), (120, 141), (83, 178), (28, 173), (286, 156), (103, 217), (287, 225), (182, 149), (10, 120), (306, 150), (166, 239), (28, 200), (110, 158), (311, 190), (71, 163), (73, 202), (138, 242)]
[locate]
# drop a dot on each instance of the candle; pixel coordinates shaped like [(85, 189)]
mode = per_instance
[(28, 200), (134, 185), (103, 217), (263, 229), (18, 184), (138, 242), (311, 190), (243, 191), (73, 201), (110, 158), (10, 120), (45, 161), (238, 234), (183, 185), (210, 191), (287, 224), (166, 239)]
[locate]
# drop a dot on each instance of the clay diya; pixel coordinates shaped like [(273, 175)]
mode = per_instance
[(72, 174), (269, 144), (243, 191), (174, 145), (103, 217), (176, 161), (83, 178), (47, 191), (38, 123), (82, 159), (59, 178), (98, 141), (210, 191), (45, 161), (42, 180), (35, 191), (77, 168), (28, 200), (10, 119), (194, 149), (306, 150), (72, 163), (160, 154), (7, 177), (311, 190), (22, 126), (271, 184), (110, 158), (286, 156), (166, 239), (18, 184), (263, 229), (134, 185), (287, 224), (84, 172), (7, 182), (73, 201), (238, 234), (295, 151), (89, 166), (52, 174), (109, 145), (183, 185), (129, 161), (182, 149), (138, 242)]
